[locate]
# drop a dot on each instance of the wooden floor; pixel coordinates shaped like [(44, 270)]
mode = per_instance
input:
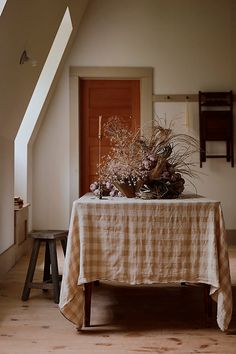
[(125, 319)]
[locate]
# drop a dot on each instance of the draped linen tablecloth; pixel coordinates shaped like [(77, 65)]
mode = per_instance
[(143, 242)]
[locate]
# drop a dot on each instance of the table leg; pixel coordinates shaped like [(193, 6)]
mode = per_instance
[(87, 303), (208, 304)]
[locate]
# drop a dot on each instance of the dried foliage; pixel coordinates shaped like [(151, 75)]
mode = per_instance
[(149, 167)]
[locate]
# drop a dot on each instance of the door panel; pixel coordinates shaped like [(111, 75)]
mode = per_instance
[(106, 98)]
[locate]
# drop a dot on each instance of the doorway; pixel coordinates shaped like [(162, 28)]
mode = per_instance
[(145, 77), (105, 99)]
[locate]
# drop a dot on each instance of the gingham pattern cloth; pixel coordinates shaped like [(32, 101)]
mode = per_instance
[(143, 242)]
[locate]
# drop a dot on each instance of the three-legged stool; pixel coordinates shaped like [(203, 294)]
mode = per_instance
[(51, 280)]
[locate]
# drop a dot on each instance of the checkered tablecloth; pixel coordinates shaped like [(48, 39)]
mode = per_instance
[(143, 242)]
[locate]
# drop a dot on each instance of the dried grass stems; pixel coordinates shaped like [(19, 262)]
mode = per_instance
[(157, 163), (123, 161)]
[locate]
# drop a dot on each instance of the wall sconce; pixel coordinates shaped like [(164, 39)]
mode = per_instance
[(25, 58)]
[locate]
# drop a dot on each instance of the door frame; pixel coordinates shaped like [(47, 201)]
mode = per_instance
[(143, 74)]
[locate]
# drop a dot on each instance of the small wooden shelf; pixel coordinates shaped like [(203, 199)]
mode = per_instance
[(21, 224)]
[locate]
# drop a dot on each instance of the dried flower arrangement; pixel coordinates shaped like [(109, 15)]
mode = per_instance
[(106, 187), (147, 167)]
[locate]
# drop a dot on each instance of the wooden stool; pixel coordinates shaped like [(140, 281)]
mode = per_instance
[(50, 281)]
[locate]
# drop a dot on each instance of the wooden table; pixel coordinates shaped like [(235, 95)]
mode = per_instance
[(144, 242)]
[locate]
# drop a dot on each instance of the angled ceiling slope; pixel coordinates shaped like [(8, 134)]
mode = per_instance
[(32, 26)]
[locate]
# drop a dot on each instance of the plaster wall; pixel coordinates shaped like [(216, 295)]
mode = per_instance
[(191, 46), (24, 25)]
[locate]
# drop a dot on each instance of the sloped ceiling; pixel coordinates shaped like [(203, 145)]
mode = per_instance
[(29, 25)]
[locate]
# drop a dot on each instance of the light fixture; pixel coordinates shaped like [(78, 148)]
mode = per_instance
[(25, 58)]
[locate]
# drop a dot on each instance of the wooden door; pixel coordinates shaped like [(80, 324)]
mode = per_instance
[(106, 98)]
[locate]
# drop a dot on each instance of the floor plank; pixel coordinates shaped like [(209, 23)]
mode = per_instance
[(125, 319)]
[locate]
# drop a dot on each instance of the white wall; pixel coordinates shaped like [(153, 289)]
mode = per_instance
[(23, 25), (6, 192), (29, 25), (190, 45), (188, 42), (51, 164)]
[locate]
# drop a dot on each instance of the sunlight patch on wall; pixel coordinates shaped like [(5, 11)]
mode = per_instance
[(36, 103), (2, 5)]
